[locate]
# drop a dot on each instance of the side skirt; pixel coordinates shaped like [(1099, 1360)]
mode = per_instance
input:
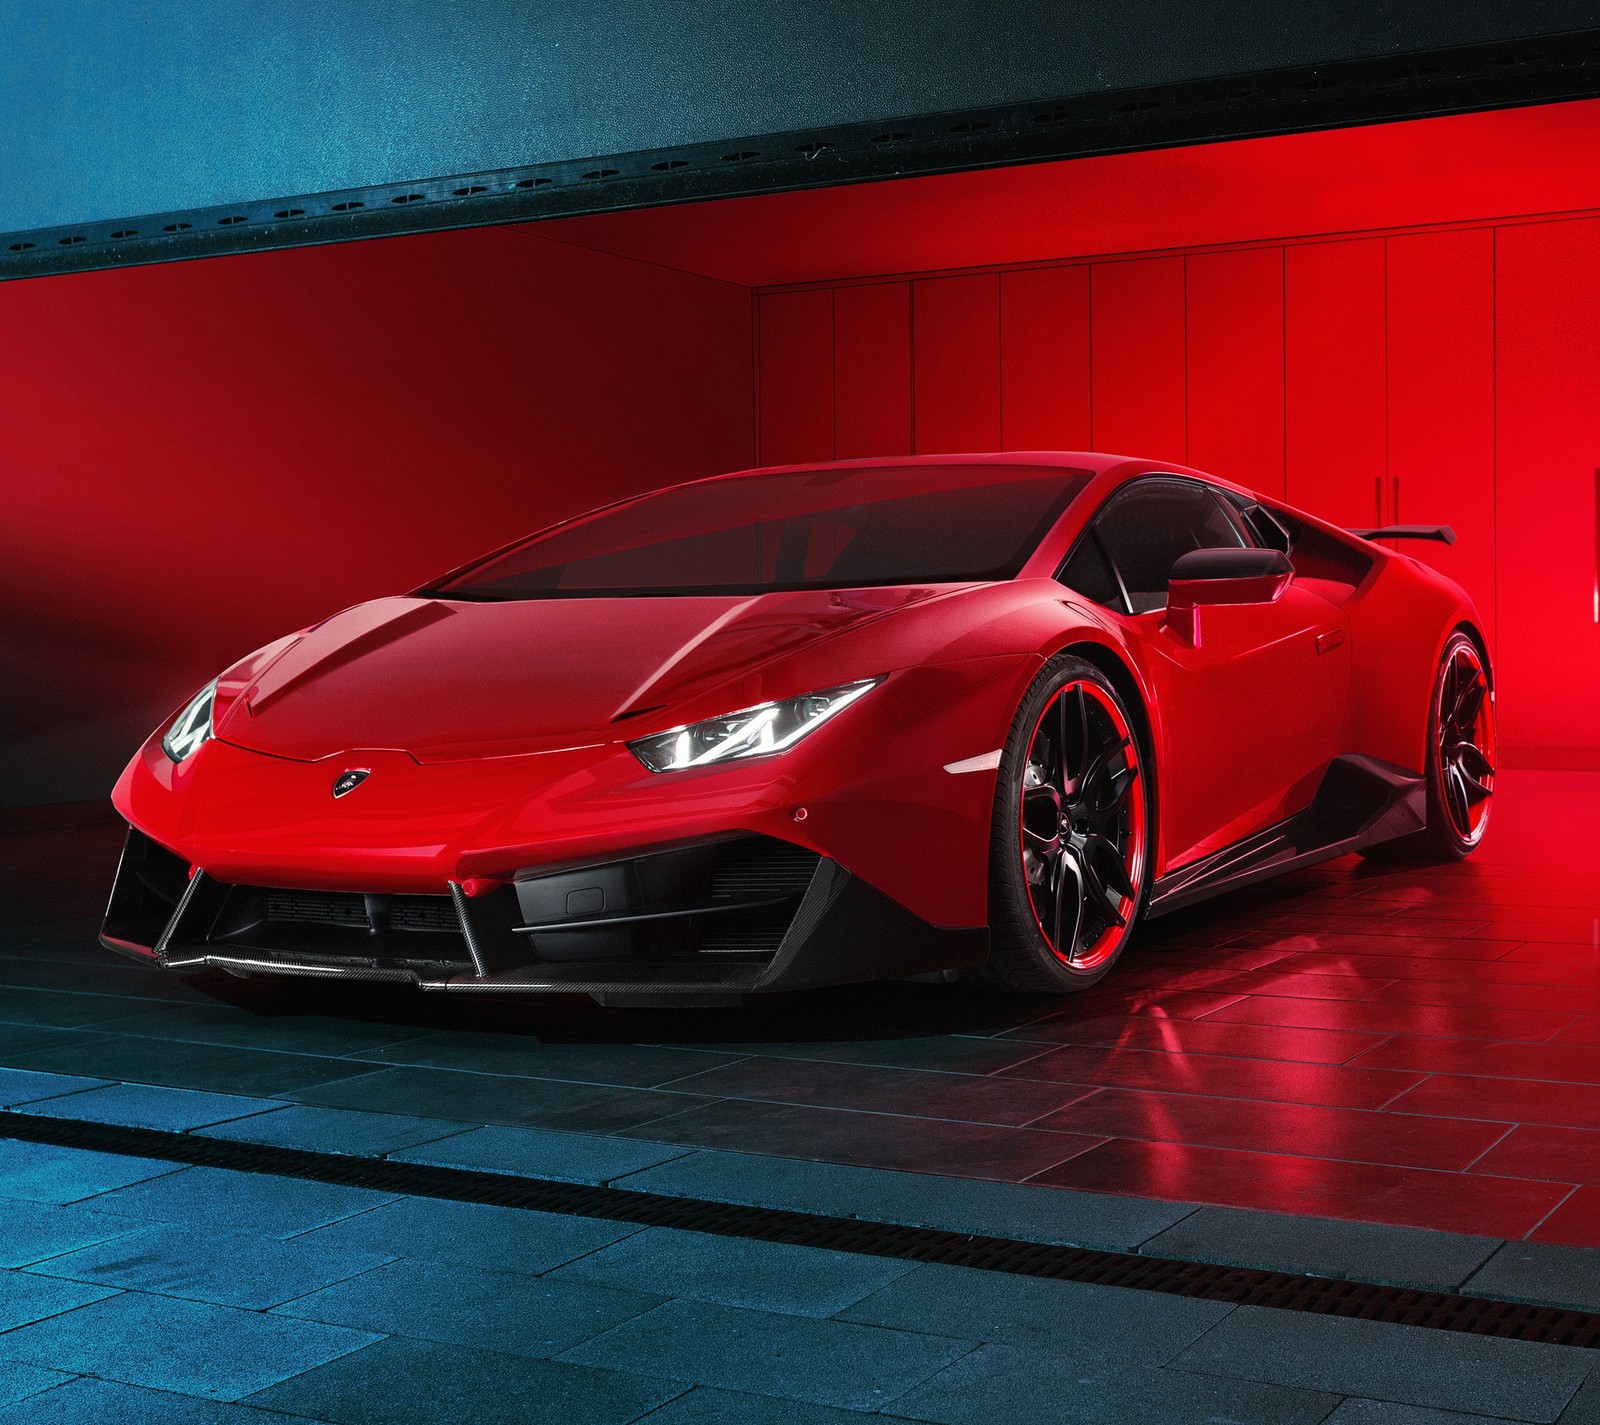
[(1361, 802)]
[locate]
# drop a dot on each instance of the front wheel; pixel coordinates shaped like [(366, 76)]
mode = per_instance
[(1071, 846)]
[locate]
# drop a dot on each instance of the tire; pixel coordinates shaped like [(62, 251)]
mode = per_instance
[(1461, 750), (1081, 823)]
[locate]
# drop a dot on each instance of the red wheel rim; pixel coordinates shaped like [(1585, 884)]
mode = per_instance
[(1466, 742), (1082, 825)]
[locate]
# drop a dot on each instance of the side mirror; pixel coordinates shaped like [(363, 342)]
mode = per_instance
[(1222, 576)]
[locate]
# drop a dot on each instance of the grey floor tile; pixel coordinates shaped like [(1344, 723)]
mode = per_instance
[(1541, 1272), (227, 1269), (335, 1130), (874, 1140), (768, 1276), (34, 1231), (471, 1306), (23, 1382), (58, 1009), (1585, 1406), (1362, 1251), (41, 1172), (221, 1200), (541, 1153), (25, 1297), (19, 1039), (112, 1403), (1097, 1322), (525, 1056), (916, 1093), (244, 1028), (419, 1383), (186, 1347), (765, 1353), (948, 1052), (1006, 1385), (476, 1234), (19, 1086), (1032, 1214), (213, 1068), (704, 1405), (1387, 1412), (496, 1098), (149, 1106), (1521, 1380)]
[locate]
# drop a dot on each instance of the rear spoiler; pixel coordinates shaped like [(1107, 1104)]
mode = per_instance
[(1442, 533)]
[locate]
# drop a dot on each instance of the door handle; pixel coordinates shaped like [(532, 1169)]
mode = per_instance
[(1328, 641)]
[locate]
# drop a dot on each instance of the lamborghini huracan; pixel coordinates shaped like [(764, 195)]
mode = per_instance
[(930, 716)]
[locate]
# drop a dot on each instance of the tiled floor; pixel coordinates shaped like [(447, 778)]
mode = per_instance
[(1405, 1045), (1375, 1049), (119, 1303)]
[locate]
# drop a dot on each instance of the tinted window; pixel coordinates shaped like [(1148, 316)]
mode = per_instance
[(826, 528), (1088, 573), (1147, 528)]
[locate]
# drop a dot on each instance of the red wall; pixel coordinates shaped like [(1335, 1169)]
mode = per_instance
[(1450, 375), (195, 459)]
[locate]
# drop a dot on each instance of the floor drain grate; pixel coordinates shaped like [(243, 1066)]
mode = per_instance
[(1240, 1286)]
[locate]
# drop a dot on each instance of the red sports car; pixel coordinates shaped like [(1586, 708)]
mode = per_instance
[(814, 724)]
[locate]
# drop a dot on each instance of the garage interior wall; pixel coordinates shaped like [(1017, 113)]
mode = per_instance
[(198, 458), (1443, 376), (1391, 322)]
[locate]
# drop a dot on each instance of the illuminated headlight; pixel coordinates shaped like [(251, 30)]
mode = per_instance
[(192, 727), (752, 732)]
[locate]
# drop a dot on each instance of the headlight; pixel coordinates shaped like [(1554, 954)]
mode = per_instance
[(753, 732), (193, 725)]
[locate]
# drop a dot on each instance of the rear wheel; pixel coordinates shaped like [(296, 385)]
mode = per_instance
[(1461, 752), (1071, 847)]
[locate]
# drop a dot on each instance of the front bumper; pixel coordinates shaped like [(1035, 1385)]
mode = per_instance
[(702, 923)]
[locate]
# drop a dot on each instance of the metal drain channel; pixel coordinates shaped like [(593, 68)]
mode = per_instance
[(1238, 1286)]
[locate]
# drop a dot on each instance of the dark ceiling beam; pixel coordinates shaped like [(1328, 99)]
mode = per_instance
[(1088, 120)]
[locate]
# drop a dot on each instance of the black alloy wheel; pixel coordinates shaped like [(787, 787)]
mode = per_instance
[(1071, 846)]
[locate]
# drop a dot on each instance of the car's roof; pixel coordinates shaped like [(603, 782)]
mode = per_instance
[(1092, 461)]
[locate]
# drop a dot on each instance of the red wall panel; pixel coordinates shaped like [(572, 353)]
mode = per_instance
[(196, 458), (1234, 331), (1441, 400), (1547, 343), (1139, 397), (1044, 359), (796, 376), (955, 332), (872, 370), (1335, 397)]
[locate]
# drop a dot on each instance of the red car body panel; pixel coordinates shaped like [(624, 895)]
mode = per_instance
[(496, 733)]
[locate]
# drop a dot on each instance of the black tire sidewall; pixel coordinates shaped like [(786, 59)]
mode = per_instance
[(1441, 835), (1020, 957)]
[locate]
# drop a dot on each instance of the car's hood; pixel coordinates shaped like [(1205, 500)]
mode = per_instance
[(443, 680)]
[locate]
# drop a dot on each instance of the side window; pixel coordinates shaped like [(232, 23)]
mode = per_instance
[(1087, 573), (1147, 528)]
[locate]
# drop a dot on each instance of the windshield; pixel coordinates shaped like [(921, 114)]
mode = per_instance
[(803, 529)]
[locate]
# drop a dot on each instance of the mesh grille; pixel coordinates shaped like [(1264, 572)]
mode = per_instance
[(430, 913), (317, 908), (434, 914), (759, 867)]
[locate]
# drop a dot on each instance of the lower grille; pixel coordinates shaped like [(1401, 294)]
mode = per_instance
[(427, 914), (755, 867), (316, 908)]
